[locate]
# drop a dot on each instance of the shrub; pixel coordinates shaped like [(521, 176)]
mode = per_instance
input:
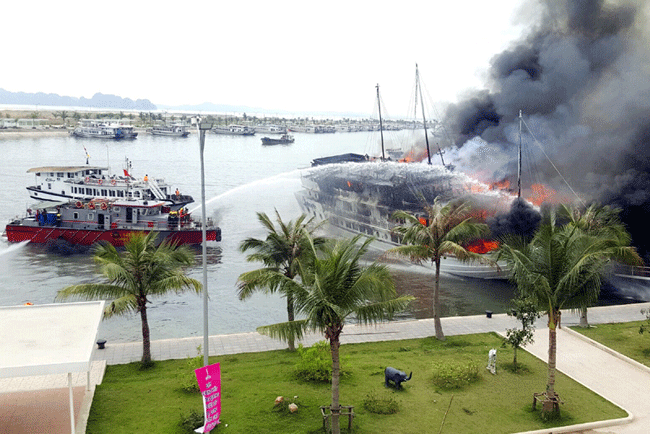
[(377, 405), (454, 376), (188, 377), (315, 363), (188, 423)]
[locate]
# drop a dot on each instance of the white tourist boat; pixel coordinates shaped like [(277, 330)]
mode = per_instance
[(271, 129), (234, 130), (176, 130), (64, 183), (95, 129)]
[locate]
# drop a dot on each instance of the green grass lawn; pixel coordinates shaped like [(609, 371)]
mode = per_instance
[(623, 338), (131, 400)]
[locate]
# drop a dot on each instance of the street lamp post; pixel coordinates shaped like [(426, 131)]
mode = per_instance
[(202, 127)]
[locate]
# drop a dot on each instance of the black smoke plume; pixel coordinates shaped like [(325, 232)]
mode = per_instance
[(581, 77), (522, 220)]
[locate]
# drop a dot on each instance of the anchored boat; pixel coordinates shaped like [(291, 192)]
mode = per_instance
[(89, 128), (63, 183), (85, 223)]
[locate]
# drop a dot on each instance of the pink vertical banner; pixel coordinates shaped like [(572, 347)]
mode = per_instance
[(209, 378)]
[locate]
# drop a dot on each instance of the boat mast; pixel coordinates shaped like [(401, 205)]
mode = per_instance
[(381, 127), (424, 120), (519, 159)]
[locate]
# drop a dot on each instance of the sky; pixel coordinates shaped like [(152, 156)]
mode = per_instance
[(297, 56)]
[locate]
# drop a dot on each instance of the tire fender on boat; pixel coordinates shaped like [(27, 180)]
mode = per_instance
[(113, 182), (91, 205), (100, 182), (87, 178), (79, 204), (104, 206)]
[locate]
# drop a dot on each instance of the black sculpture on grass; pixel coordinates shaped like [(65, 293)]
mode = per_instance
[(396, 376)]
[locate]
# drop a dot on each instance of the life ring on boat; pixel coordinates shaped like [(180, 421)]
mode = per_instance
[(91, 205), (87, 178), (79, 204), (100, 182), (104, 206), (113, 182)]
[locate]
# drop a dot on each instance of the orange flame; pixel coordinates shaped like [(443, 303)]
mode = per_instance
[(482, 246), (541, 194)]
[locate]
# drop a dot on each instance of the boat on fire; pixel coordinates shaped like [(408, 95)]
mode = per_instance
[(85, 223), (94, 129), (357, 194), (63, 183)]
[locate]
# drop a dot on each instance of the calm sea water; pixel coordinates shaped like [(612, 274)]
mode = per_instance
[(242, 178)]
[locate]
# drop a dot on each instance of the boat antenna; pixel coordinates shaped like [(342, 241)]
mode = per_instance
[(424, 120), (381, 127), (521, 119)]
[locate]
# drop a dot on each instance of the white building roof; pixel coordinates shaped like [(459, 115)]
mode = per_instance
[(48, 339)]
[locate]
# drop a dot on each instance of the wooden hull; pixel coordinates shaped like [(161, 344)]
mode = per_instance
[(17, 233)]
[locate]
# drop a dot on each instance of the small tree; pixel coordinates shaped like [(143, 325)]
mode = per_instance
[(525, 310)]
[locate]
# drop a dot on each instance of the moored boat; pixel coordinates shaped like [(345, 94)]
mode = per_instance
[(94, 129), (63, 183), (283, 140), (234, 130), (176, 130), (271, 129), (113, 221)]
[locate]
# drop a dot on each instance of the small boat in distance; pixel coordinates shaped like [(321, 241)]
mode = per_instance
[(63, 183), (114, 221), (234, 130), (283, 140), (175, 130), (94, 129)]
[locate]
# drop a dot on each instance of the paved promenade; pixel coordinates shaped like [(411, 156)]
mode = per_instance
[(621, 381)]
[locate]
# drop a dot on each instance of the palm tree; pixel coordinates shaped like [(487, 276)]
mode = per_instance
[(599, 221), (441, 233), (143, 271), (560, 267), (279, 253), (334, 287)]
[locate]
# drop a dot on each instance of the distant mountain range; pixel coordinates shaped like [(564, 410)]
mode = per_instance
[(99, 100), (114, 102)]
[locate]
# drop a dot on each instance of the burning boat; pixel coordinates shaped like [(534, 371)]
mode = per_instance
[(85, 223)]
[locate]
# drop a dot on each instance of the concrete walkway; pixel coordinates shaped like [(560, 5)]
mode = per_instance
[(620, 380)]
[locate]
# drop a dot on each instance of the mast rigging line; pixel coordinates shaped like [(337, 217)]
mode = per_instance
[(552, 164)]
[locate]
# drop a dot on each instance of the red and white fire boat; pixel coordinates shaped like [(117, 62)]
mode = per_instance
[(85, 223)]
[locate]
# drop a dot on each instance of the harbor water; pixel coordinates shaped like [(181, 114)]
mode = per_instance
[(243, 177)]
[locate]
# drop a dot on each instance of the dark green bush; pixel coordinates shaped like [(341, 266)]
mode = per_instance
[(187, 375), (315, 363), (377, 405), (454, 376), (191, 421)]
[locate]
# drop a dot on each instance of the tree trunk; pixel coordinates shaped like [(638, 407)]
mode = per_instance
[(514, 360), (551, 408), (336, 370), (583, 317), (436, 304), (146, 338), (291, 317)]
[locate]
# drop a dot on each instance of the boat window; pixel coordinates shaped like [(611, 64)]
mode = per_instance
[(111, 193), (38, 173), (136, 193), (75, 216), (89, 191), (104, 192), (60, 174), (91, 216), (70, 175), (120, 193), (51, 174)]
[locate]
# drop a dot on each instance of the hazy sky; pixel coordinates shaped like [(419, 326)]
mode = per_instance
[(298, 56)]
